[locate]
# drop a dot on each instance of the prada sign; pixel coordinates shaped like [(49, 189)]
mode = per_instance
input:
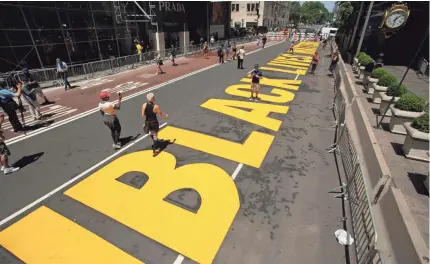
[(171, 7), (170, 12)]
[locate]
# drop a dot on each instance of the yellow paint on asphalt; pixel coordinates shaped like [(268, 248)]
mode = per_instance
[(45, 237), (258, 114), (295, 57), (278, 83), (281, 98), (195, 235), (286, 65), (251, 152), (298, 71), (291, 61)]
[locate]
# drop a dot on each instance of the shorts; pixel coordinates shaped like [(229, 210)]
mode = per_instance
[(4, 150), (151, 127), (255, 86)]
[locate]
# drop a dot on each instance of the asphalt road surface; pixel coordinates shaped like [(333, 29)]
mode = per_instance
[(240, 182)]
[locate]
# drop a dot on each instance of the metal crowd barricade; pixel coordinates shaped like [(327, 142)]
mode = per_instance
[(354, 189)]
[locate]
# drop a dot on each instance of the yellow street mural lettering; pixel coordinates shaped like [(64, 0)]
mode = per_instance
[(195, 235), (292, 62), (287, 65), (278, 83), (302, 58), (283, 96), (251, 152), (304, 51), (257, 115), (298, 71), (46, 237), (291, 56)]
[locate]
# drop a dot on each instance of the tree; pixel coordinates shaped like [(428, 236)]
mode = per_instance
[(295, 13), (343, 12), (314, 12)]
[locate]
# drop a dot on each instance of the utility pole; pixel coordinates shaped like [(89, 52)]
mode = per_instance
[(356, 26), (363, 31)]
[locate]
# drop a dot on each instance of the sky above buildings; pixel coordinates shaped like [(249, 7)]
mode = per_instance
[(329, 5)]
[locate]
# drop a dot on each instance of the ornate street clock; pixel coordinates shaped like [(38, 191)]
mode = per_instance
[(394, 18)]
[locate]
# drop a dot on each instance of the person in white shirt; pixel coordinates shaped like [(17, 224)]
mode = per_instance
[(240, 56), (62, 71), (110, 119)]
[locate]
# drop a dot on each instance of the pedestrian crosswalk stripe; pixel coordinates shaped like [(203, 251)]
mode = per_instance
[(57, 111), (124, 87)]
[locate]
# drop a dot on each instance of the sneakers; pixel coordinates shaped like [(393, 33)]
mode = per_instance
[(116, 146), (256, 99), (2, 168), (251, 99), (10, 170)]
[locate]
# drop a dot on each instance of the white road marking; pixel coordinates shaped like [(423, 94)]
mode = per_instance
[(124, 87), (64, 185), (91, 83), (179, 259), (94, 110)]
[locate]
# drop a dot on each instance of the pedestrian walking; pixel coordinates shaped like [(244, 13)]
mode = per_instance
[(334, 61), (34, 86), (220, 53), (110, 119), (150, 111), (62, 71), (314, 63), (30, 98), (5, 152), (240, 57), (264, 40), (159, 62), (173, 56), (234, 51), (228, 50), (139, 50), (291, 49), (256, 75), (9, 106), (205, 50), (258, 42), (212, 41)]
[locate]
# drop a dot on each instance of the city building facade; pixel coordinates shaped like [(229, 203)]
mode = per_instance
[(269, 14), (33, 34)]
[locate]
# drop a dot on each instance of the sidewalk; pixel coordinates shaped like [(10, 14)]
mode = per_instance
[(84, 95), (408, 175)]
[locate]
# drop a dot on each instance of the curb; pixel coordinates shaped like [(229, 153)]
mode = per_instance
[(401, 241)]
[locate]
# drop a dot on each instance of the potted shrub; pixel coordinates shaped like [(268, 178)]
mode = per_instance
[(406, 109), (386, 97), (416, 145), (374, 78), (356, 65), (365, 61), (382, 86)]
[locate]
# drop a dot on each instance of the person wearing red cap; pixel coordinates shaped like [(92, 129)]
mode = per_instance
[(110, 119)]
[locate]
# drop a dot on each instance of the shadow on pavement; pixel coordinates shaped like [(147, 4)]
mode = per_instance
[(162, 145), (24, 161), (418, 182), (39, 125), (126, 140)]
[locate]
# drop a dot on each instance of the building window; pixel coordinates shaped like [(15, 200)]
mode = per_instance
[(252, 7), (248, 7), (232, 7), (237, 7), (257, 6)]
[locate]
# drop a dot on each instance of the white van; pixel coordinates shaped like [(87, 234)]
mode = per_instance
[(326, 32)]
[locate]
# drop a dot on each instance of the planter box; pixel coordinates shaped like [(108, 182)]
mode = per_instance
[(416, 144), (371, 85), (376, 98), (360, 71), (385, 101), (365, 82), (400, 117)]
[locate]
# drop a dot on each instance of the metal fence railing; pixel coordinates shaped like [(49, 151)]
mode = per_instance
[(353, 189), (48, 77)]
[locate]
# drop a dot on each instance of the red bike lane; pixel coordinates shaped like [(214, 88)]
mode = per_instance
[(83, 98)]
